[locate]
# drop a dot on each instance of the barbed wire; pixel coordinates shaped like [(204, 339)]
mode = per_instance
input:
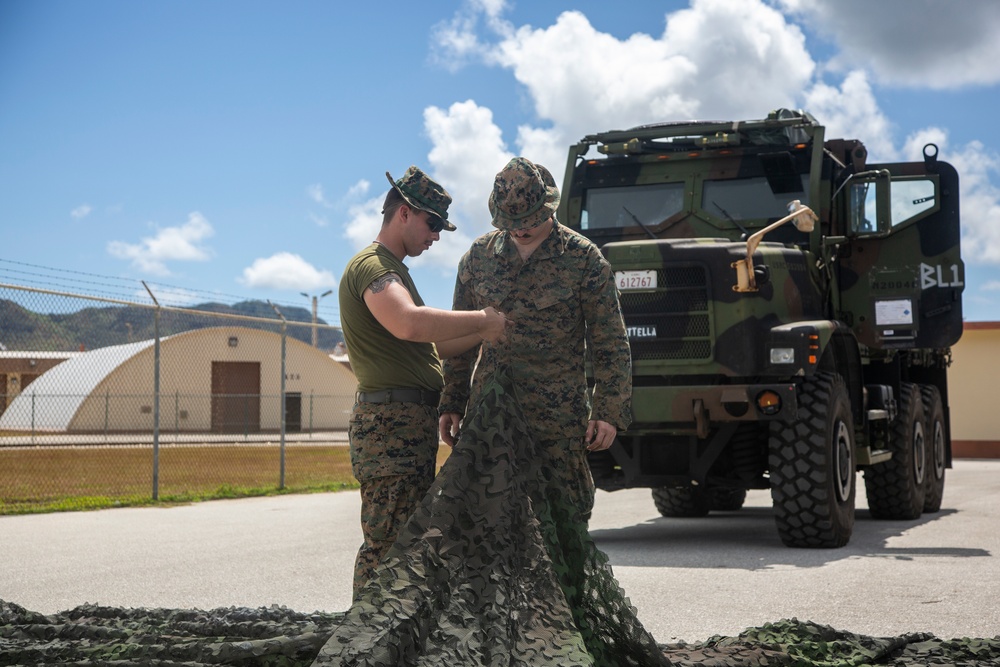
[(132, 289)]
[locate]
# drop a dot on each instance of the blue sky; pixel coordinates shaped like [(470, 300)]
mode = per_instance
[(232, 150)]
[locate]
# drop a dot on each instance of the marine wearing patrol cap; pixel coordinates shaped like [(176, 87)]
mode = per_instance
[(522, 196), (421, 192)]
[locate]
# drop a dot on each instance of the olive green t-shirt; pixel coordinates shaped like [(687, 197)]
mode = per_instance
[(379, 359)]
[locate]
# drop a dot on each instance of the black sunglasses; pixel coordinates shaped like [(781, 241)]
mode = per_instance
[(435, 222)]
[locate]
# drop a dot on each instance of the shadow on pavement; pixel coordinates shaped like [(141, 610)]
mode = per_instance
[(747, 539)]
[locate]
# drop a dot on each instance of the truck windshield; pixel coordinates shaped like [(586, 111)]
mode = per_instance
[(608, 208), (748, 199), (651, 205)]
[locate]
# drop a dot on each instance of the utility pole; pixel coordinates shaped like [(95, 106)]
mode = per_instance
[(315, 304)]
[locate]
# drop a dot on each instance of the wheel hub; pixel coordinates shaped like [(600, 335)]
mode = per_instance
[(843, 464)]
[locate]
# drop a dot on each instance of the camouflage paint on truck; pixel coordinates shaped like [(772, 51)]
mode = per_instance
[(735, 344)]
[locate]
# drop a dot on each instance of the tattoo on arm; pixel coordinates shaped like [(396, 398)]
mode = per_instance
[(382, 282)]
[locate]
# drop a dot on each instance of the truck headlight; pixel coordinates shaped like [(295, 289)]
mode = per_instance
[(782, 355)]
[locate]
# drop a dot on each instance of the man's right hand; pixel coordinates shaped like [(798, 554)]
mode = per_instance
[(448, 425), (495, 326)]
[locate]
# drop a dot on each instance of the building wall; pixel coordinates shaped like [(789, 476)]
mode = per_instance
[(973, 389), (17, 372), (123, 401)]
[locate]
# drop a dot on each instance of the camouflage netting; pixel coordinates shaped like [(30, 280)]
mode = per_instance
[(493, 569), (94, 635)]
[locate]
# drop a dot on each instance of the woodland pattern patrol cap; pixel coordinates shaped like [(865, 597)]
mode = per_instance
[(421, 192), (522, 196)]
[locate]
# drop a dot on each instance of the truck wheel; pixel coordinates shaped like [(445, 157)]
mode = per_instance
[(727, 500), (896, 488), (812, 467), (681, 502), (936, 447)]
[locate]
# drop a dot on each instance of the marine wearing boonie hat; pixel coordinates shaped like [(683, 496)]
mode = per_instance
[(421, 192), (524, 195)]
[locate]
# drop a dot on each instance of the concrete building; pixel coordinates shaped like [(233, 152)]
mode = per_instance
[(220, 379), (20, 369), (973, 389)]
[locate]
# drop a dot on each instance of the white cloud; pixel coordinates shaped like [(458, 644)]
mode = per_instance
[(81, 211), (468, 152), (937, 44), (991, 286), (980, 201), (182, 243), (851, 112), (455, 40), (359, 189), (318, 220), (364, 221), (718, 59), (285, 270), (350, 199), (315, 193)]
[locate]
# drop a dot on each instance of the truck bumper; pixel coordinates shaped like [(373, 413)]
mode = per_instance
[(691, 409)]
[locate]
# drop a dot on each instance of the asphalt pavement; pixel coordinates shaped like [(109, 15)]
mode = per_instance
[(689, 578)]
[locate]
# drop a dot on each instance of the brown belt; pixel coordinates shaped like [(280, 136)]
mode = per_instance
[(421, 396)]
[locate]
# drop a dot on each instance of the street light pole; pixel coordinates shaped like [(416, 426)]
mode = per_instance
[(315, 304)]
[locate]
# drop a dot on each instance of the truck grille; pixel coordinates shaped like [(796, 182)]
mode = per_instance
[(678, 312)]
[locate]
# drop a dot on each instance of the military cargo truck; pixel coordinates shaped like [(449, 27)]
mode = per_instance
[(790, 308)]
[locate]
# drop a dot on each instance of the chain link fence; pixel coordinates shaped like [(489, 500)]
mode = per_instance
[(108, 401)]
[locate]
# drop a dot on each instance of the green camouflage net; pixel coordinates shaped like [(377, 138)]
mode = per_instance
[(94, 635), (495, 568)]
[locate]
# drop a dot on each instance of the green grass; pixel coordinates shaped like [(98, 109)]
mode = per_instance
[(47, 480), (34, 480)]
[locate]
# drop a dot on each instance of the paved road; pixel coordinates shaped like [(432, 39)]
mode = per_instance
[(689, 578)]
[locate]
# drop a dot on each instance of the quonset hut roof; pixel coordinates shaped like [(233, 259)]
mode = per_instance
[(50, 402)]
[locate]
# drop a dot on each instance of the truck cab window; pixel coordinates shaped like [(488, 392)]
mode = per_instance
[(620, 206)]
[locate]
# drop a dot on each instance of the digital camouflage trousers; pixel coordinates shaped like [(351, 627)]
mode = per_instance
[(393, 456)]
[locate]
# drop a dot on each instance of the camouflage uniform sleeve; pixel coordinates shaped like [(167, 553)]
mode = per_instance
[(608, 346), (458, 369)]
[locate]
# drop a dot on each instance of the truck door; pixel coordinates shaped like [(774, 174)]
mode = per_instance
[(900, 271)]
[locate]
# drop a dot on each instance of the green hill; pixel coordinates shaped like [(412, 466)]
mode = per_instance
[(90, 328)]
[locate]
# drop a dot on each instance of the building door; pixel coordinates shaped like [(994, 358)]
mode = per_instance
[(235, 396), (293, 412)]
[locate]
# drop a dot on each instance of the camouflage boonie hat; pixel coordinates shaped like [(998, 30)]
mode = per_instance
[(421, 192), (522, 196)]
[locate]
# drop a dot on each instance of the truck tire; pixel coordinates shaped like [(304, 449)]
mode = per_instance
[(896, 488), (683, 502), (727, 500), (812, 467), (937, 447)]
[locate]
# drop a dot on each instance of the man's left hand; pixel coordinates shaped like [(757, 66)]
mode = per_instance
[(600, 435)]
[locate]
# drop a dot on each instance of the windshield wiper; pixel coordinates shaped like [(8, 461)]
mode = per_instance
[(639, 222), (731, 219)]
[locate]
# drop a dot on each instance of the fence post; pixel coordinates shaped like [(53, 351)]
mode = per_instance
[(156, 394), (281, 399), (284, 415)]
